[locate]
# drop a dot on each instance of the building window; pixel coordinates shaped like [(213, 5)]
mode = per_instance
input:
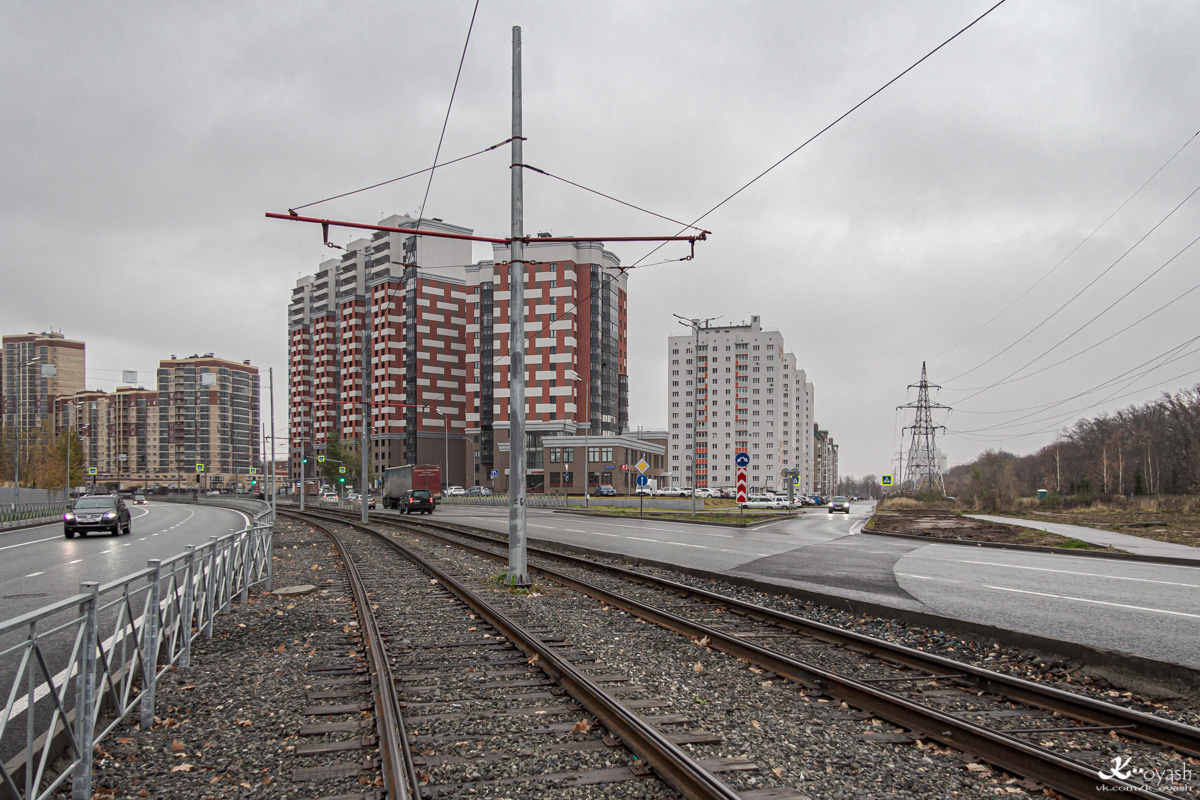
[(555, 454), (594, 453), (568, 455), (607, 452)]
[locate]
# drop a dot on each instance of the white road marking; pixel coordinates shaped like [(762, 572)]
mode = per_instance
[(924, 577), (573, 530), (1085, 574), (76, 561), (613, 535), (1097, 602), (640, 539), (24, 544), (684, 544), (33, 574), (141, 539)]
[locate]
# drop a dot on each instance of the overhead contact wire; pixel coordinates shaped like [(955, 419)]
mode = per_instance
[(819, 133), (446, 121)]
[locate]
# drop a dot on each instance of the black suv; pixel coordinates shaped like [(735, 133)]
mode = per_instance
[(97, 513), (417, 500)]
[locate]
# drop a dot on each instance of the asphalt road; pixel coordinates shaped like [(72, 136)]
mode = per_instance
[(39, 566), (1147, 609)]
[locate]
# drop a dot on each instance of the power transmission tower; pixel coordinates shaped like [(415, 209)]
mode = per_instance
[(922, 473)]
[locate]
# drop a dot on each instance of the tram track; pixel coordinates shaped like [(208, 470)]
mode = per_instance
[(474, 667), (1028, 729)]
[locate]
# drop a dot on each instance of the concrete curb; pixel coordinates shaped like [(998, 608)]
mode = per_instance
[(1126, 667), (1033, 548), (667, 519)]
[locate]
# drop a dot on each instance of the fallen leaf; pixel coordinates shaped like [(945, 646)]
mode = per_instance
[(143, 793), (754, 722), (189, 687), (279, 649), (697, 667), (979, 768), (534, 660), (245, 785), (778, 772), (124, 739), (583, 726), (756, 670), (290, 606), (245, 723), (176, 745), (704, 642), (469, 629), (183, 768)]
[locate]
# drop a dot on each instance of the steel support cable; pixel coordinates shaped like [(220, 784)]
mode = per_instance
[(670, 762), (1097, 316), (1075, 296), (1133, 324), (610, 197), (293, 209), (819, 133), (1100, 386), (1074, 249), (446, 121), (1015, 423), (1001, 749)]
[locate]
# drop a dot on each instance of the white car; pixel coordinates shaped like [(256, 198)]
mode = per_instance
[(455, 491), (762, 501)]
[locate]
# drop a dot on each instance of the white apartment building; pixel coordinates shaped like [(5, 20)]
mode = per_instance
[(737, 388)]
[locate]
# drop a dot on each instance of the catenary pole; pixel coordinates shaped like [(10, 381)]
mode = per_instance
[(366, 406), (518, 573), (271, 383)]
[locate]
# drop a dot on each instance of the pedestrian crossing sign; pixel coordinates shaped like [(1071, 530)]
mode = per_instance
[(885, 480), (199, 468), (91, 470), (320, 459)]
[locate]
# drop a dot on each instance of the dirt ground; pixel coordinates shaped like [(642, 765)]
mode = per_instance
[(950, 525), (1165, 526)]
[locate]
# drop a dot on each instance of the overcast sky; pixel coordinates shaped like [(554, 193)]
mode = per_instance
[(141, 144)]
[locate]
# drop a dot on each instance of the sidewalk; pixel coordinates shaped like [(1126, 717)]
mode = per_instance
[(1121, 541)]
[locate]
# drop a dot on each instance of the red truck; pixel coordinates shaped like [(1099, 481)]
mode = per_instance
[(397, 481)]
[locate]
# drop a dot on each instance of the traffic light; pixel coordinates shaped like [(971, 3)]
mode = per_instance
[(304, 461), (342, 479), (254, 481)]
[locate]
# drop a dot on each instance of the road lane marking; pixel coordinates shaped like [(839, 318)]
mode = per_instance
[(575, 530), (640, 539), (33, 574), (613, 535), (24, 544), (684, 544), (76, 561), (1096, 602), (1085, 574), (925, 577)]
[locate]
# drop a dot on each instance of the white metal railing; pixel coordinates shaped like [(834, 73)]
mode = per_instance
[(532, 500), (89, 653), (14, 514)]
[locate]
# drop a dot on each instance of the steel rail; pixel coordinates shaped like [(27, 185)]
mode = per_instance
[(1182, 738), (399, 773), (1031, 761), (668, 760)]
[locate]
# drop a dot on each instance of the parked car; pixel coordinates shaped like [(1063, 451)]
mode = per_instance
[(370, 501), (478, 491), (761, 501), (353, 496), (97, 513), (644, 490), (139, 499), (455, 491), (329, 497), (213, 493), (606, 490), (839, 504), (417, 500)]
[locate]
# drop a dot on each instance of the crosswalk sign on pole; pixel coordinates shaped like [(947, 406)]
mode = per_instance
[(320, 459), (885, 480), (199, 468)]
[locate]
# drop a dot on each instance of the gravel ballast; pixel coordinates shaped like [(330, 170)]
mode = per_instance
[(227, 726)]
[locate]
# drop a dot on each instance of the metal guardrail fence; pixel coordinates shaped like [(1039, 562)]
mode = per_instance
[(531, 500), (151, 618), (14, 514)]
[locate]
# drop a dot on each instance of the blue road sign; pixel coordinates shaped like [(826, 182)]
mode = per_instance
[(495, 473), (742, 459), (642, 480)]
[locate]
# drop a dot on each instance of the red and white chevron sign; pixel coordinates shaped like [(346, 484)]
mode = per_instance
[(741, 485)]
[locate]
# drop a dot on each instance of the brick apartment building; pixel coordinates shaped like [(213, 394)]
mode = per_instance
[(36, 369), (438, 325)]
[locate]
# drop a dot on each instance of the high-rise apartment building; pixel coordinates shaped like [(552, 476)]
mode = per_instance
[(202, 410), (736, 388), (438, 326), (825, 463), (36, 369)]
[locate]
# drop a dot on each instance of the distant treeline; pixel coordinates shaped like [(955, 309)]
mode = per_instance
[(1144, 450)]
